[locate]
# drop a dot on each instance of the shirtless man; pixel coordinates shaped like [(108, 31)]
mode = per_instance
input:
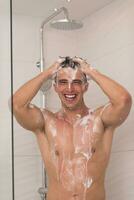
[(75, 143)]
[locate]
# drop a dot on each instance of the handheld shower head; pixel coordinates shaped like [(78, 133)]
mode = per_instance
[(66, 24)]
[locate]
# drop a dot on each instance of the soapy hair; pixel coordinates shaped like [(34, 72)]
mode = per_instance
[(68, 62)]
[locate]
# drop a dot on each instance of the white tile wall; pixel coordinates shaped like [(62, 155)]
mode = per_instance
[(25, 142), (5, 86), (5, 177), (120, 176), (23, 72), (28, 177), (24, 38), (5, 135), (5, 35)]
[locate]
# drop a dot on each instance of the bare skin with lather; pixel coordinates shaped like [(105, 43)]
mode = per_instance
[(75, 142)]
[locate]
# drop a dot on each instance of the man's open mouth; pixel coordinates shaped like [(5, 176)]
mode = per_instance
[(70, 97)]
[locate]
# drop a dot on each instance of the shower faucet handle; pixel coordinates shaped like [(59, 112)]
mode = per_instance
[(38, 64)]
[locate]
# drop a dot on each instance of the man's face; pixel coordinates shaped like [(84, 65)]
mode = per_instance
[(70, 86)]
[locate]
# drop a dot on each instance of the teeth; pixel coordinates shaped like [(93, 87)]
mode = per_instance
[(70, 95)]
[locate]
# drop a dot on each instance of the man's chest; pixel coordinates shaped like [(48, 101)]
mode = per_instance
[(82, 138), (76, 151)]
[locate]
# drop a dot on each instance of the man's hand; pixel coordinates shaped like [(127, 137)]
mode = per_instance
[(55, 67), (84, 66)]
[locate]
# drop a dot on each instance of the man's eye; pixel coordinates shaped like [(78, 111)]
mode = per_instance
[(79, 82), (62, 82)]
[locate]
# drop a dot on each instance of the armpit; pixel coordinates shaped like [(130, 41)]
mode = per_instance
[(104, 107)]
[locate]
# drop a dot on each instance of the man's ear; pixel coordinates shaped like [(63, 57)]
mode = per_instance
[(86, 86)]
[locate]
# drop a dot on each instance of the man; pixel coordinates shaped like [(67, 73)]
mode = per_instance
[(75, 142)]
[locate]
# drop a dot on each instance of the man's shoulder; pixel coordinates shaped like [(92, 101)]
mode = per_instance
[(98, 113), (97, 110)]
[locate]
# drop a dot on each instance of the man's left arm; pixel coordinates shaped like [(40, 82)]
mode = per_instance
[(120, 99)]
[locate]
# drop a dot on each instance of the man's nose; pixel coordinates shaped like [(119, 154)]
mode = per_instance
[(70, 86)]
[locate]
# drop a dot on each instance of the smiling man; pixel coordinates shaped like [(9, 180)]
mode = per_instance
[(75, 142)]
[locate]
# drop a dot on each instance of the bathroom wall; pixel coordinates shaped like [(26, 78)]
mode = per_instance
[(107, 43), (5, 92)]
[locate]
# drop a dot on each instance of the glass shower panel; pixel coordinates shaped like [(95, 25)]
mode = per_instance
[(27, 159)]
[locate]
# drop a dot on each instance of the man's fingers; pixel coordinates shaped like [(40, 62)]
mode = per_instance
[(55, 71), (57, 63), (58, 69), (78, 59)]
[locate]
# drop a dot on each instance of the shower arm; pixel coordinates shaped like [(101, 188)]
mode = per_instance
[(41, 63), (55, 14)]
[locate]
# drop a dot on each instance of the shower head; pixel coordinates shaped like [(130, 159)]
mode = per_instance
[(66, 24)]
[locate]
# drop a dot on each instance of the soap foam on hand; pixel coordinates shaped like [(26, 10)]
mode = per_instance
[(60, 59)]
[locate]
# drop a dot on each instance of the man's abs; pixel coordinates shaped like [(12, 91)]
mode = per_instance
[(95, 192), (72, 181)]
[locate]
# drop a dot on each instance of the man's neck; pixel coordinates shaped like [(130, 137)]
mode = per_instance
[(72, 115)]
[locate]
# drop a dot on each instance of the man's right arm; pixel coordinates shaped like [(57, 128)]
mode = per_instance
[(30, 116)]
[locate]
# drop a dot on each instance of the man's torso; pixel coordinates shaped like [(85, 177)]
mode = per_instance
[(76, 156)]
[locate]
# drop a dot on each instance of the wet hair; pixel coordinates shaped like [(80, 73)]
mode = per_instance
[(68, 62)]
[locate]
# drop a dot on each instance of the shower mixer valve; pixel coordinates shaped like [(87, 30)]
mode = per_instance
[(38, 64)]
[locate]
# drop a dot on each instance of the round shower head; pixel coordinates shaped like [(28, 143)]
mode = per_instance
[(66, 24)]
